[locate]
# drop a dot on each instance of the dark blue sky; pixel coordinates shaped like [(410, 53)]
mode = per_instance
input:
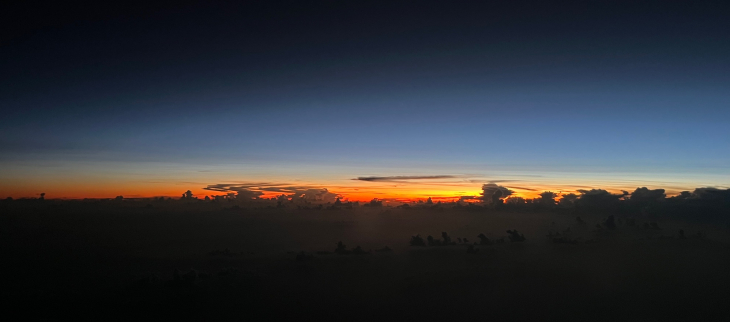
[(330, 91)]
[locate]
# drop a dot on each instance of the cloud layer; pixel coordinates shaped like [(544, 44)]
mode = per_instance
[(290, 192)]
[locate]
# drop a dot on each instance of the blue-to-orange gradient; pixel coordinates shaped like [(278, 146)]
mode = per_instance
[(530, 97)]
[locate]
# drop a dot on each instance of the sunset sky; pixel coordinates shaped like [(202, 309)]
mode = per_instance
[(153, 101)]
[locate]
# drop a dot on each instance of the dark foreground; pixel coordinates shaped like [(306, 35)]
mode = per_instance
[(119, 262)]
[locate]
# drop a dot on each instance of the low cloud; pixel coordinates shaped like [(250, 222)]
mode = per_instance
[(321, 194), (242, 191), (290, 192), (709, 193)]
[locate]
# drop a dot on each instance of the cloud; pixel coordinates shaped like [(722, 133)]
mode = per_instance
[(491, 192), (645, 194), (321, 194), (400, 178), (492, 181), (712, 193), (231, 187), (248, 194), (522, 188), (291, 192), (242, 191)]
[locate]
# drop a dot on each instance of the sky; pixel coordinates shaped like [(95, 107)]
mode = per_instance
[(434, 98)]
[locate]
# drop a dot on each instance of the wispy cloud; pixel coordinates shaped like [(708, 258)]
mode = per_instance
[(403, 178), (522, 188)]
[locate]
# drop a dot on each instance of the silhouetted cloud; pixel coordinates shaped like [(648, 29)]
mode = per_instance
[(247, 194), (464, 198), (522, 188), (291, 192), (242, 191), (493, 193), (645, 195), (710, 193), (321, 194), (400, 178), (597, 198)]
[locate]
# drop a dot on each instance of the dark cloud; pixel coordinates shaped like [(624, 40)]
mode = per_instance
[(492, 181), (597, 198), (284, 188), (290, 192), (492, 193), (710, 193), (242, 191), (248, 194), (321, 194), (400, 178), (230, 187), (644, 194), (522, 188)]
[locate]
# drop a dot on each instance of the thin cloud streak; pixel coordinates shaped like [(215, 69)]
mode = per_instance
[(400, 178), (522, 188)]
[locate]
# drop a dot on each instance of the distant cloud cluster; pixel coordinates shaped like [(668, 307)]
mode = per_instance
[(492, 192), (291, 192), (243, 191)]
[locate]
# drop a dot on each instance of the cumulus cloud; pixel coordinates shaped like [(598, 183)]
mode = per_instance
[(597, 198), (493, 193), (712, 193), (645, 195), (321, 194)]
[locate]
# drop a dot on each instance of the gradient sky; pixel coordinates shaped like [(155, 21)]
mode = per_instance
[(106, 100)]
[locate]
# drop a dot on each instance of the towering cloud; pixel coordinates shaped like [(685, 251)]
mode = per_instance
[(493, 193)]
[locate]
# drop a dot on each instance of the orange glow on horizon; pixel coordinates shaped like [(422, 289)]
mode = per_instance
[(348, 190), (360, 195)]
